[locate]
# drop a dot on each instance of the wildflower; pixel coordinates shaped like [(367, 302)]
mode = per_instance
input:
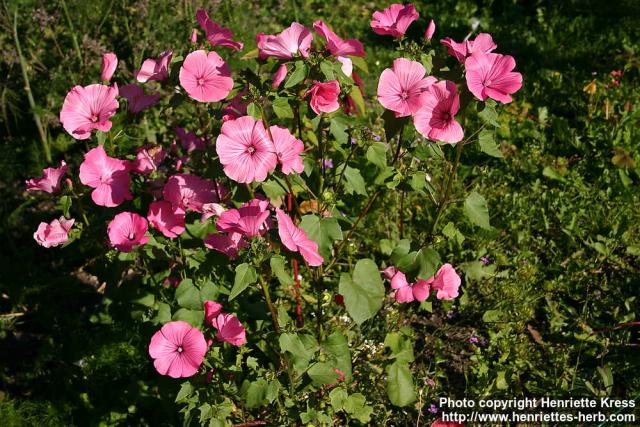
[(248, 220), (137, 99), (166, 218), (436, 117), (211, 310), (288, 150), (399, 88), (53, 234), (127, 230), (491, 76), (189, 192), (296, 240), (178, 349), (483, 43), (285, 45), (50, 180), (154, 69), (324, 96), (148, 159), (88, 108), (337, 46), (229, 329), (205, 76), (108, 176), (431, 29), (109, 64), (279, 76), (446, 282), (214, 33), (394, 20)]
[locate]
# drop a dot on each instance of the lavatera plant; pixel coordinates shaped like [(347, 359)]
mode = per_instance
[(244, 235)]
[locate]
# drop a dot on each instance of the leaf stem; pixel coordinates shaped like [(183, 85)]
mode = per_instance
[(447, 193)]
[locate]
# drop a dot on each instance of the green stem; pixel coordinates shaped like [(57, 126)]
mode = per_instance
[(447, 194), (267, 298), (76, 46)]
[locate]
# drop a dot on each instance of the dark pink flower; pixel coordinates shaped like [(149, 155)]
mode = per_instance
[(50, 180), (296, 240), (87, 108), (491, 75), (248, 220), (431, 29), (399, 89), (166, 218), (54, 234), (211, 209), (190, 141), (189, 192), (446, 282), (235, 108), (288, 150), (154, 69), (483, 43), (178, 349), (228, 244), (337, 46), (279, 76), (127, 230), (408, 292), (293, 40), (229, 329), (324, 96), (215, 34), (205, 76), (108, 176), (394, 20), (137, 99), (109, 64), (148, 159), (211, 310), (435, 120)]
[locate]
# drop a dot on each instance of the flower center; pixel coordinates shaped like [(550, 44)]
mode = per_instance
[(94, 118), (131, 236), (251, 149), (200, 81), (180, 349), (486, 83), (404, 95), (446, 117)]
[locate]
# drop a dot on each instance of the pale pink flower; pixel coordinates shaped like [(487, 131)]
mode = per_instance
[(430, 31), (189, 140), (205, 76), (394, 20), (399, 89), (148, 159), (154, 69), (215, 34), (250, 219), (491, 75), (483, 43), (178, 349), (109, 64), (50, 180), (285, 45), (245, 150), (347, 65), (127, 230), (137, 99), (229, 244), (446, 282), (324, 96), (435, 120), (288, 150), (54, 234), (166, 218), (389, 272), (409, 292), (87, 108), (296, 240), (336, 45), (108, 176), (211, 310), (189, 192), (229, 329), (279, 76)]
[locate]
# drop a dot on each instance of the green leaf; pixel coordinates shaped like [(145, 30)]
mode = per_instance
[(185, 391), (377, 154), (188, 295), (250, 55), (163, 315), (338, 128), (428, 261), (475, 207), (256, 393), (488, 114), (401, 347), (327, 69), (337, 346), (356, 406), (298, 75), (338, 398), (322, 373), (488, 144), (282, 108), (491, 316), (64, 204), (363, 294), (301, 354), (452, 233), (356, 96), (418, 181), (193, 317), (324, 231), (245, 276), (360, 63), (278, 267), (254, 111), (354, 181), (400, 384)]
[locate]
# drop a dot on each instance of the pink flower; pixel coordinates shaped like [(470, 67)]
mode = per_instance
[(431, 29), (194, 37), (50, 180), (87, 108), (54, 234), (447, 282), (394, 20), (288, 149), (279, 76), (178, 349), (148, 159), (389, 272), (324, 96), (215, 34), (205, 76), (108, 176), (245, 150), (189, 140), (229, 244), (154, 69), (137, 99), (211, 209), (491, 76), (440, 423), (296, 240), (189, 192), (483, 43), (248, 220), (235, 108), (337, 46), (229, 329), (127, 230), (109, 64), (435, 119), (166, 218), (295, 39), (399, 89), (406, 292), (211, 310)]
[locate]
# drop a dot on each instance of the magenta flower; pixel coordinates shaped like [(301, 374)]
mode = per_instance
[(137, 99), (229, 329), (435, 120), (108, 176), (109, 64), (399, 89), (394, 20), (389, 272), (248, 220), (190, 141), (50, 180), (409, 292), (215, 34), (337, 46), (296, 240), (127, 230), (236, 107), (245, 150), (491, 76), (293, 40), (288, 150), (279, 76), (166, 218), (483, 43), (447, 282), (228, 244), (177, 349), (211, 310), (189, 192), (54, 234), (211, 209), (154, 69), (431, 29), (324, 96), (205, 76), (87, 108), (148, 159)]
